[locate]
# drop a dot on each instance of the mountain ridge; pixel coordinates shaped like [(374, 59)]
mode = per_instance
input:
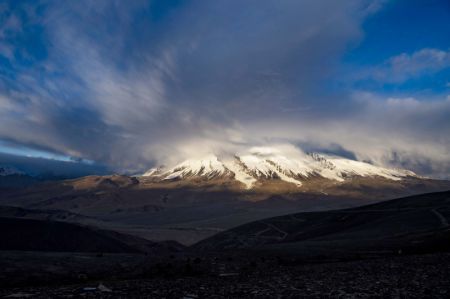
[(416, 223), (269, 163)]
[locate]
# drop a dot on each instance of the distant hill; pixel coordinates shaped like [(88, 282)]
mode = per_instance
[(21, 171), (44, 235), (412, 224)]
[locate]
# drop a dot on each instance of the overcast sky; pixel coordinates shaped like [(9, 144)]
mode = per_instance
[(131, 84)]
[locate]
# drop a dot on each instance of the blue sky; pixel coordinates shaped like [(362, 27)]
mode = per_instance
[(133, 84), (405, 27)]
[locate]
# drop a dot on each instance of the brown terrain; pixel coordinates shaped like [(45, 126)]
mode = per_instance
[(190, 210), (396, 248)]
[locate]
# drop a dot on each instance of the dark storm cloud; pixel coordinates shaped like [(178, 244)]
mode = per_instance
[(130, 85)]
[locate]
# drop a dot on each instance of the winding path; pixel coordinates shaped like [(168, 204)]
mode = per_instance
[(442, 219), (285, 234)]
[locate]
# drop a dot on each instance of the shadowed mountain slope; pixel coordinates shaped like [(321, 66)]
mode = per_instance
[(417, 223), (43, 235)]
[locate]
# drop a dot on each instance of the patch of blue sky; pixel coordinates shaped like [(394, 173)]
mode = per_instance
[(403, 26), (34, 153)]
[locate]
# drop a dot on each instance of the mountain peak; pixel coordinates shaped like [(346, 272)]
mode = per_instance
[(265, 163)]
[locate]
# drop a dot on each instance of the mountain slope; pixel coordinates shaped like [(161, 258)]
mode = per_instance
[(417, 223), (192, 209), (269, 163), (44, 235)]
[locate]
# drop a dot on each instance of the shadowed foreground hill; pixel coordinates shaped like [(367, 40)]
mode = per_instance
[(43, 235), (259, 261), (412, 224)]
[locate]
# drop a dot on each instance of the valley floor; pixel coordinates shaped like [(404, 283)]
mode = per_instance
[(415, 276)]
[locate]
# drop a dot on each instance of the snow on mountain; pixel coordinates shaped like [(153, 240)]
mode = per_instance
[(270, 163), (239, 169), (208, 166), (153, 171), (345, 167)]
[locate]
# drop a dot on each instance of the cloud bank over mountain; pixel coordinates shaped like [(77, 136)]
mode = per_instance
[(129, 85)]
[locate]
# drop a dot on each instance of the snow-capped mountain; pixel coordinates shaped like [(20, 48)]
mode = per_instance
[(269, 163)]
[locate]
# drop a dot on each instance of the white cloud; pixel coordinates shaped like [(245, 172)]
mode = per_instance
[(409, 133), (215, 79), (406, 66), (375, 6)]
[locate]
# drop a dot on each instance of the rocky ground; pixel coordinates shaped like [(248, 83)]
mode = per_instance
[(419, 276)]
